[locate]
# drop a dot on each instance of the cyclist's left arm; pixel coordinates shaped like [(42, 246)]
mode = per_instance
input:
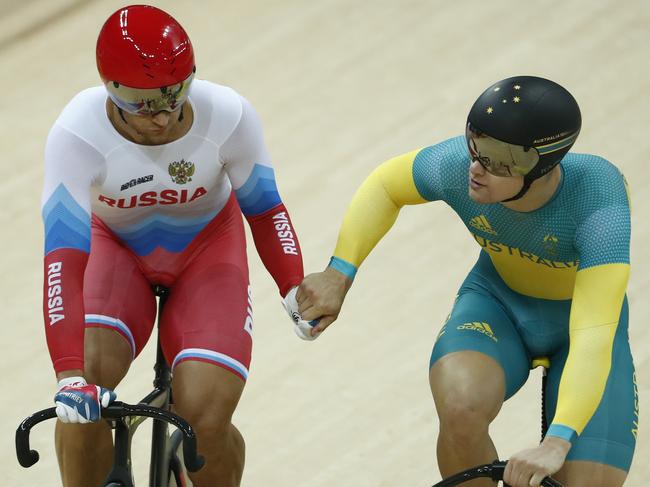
[(598, 296), (603, 240), (248, 165), (416, 177), (597, 300)]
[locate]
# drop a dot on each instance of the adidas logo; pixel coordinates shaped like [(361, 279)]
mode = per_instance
[(481, 223), (481, 327)]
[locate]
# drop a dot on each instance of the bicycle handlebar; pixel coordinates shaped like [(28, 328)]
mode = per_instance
[(117, 410), (493, 471)]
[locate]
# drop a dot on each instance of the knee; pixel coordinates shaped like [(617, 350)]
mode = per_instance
[(465, 412), (205, 417), (468, 390), (462, 420), (206, 396), (209, 412)]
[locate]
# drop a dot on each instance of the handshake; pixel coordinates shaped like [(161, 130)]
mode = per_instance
[(321, 299), (302, 327)]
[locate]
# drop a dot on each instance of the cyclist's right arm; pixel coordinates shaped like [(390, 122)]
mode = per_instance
[(71, 165), (372, 212)]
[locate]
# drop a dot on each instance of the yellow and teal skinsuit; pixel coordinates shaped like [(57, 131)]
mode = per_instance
[(549, 282)]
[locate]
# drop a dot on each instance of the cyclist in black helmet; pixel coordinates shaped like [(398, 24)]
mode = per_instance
[(550, 281)]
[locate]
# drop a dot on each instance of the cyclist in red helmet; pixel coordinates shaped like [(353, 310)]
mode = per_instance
[(146, 180)]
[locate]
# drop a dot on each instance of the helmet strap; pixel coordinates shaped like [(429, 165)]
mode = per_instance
[(524, 189)]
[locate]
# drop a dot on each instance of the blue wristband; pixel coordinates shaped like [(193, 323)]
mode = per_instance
[(343, 267), (561, 431)]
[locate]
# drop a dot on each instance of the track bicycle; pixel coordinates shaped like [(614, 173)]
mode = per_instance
[(496, 469), (168, 460)]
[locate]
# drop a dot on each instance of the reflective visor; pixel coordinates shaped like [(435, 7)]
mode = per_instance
[(500, 158), (139, 101)]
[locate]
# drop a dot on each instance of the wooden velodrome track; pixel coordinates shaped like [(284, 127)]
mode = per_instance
[(340, 87)]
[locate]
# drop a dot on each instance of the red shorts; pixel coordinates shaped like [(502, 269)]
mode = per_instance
[(208, 315)]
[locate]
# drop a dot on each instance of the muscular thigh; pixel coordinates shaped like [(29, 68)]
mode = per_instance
[(208, 316), (478, 323), (610, 436), (117, 297)]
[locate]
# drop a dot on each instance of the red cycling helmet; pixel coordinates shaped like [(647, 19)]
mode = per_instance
[(145, 59)]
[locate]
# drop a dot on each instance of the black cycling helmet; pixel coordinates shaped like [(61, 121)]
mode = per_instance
[(522, 125)]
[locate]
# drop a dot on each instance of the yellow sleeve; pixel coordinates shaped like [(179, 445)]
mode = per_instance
[(595, 311), (375, 207)]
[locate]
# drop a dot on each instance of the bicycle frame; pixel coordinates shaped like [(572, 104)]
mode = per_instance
[(125, 420), (160, 396)]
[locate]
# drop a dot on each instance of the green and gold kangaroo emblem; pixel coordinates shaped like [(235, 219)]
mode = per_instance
[(181, 172)]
